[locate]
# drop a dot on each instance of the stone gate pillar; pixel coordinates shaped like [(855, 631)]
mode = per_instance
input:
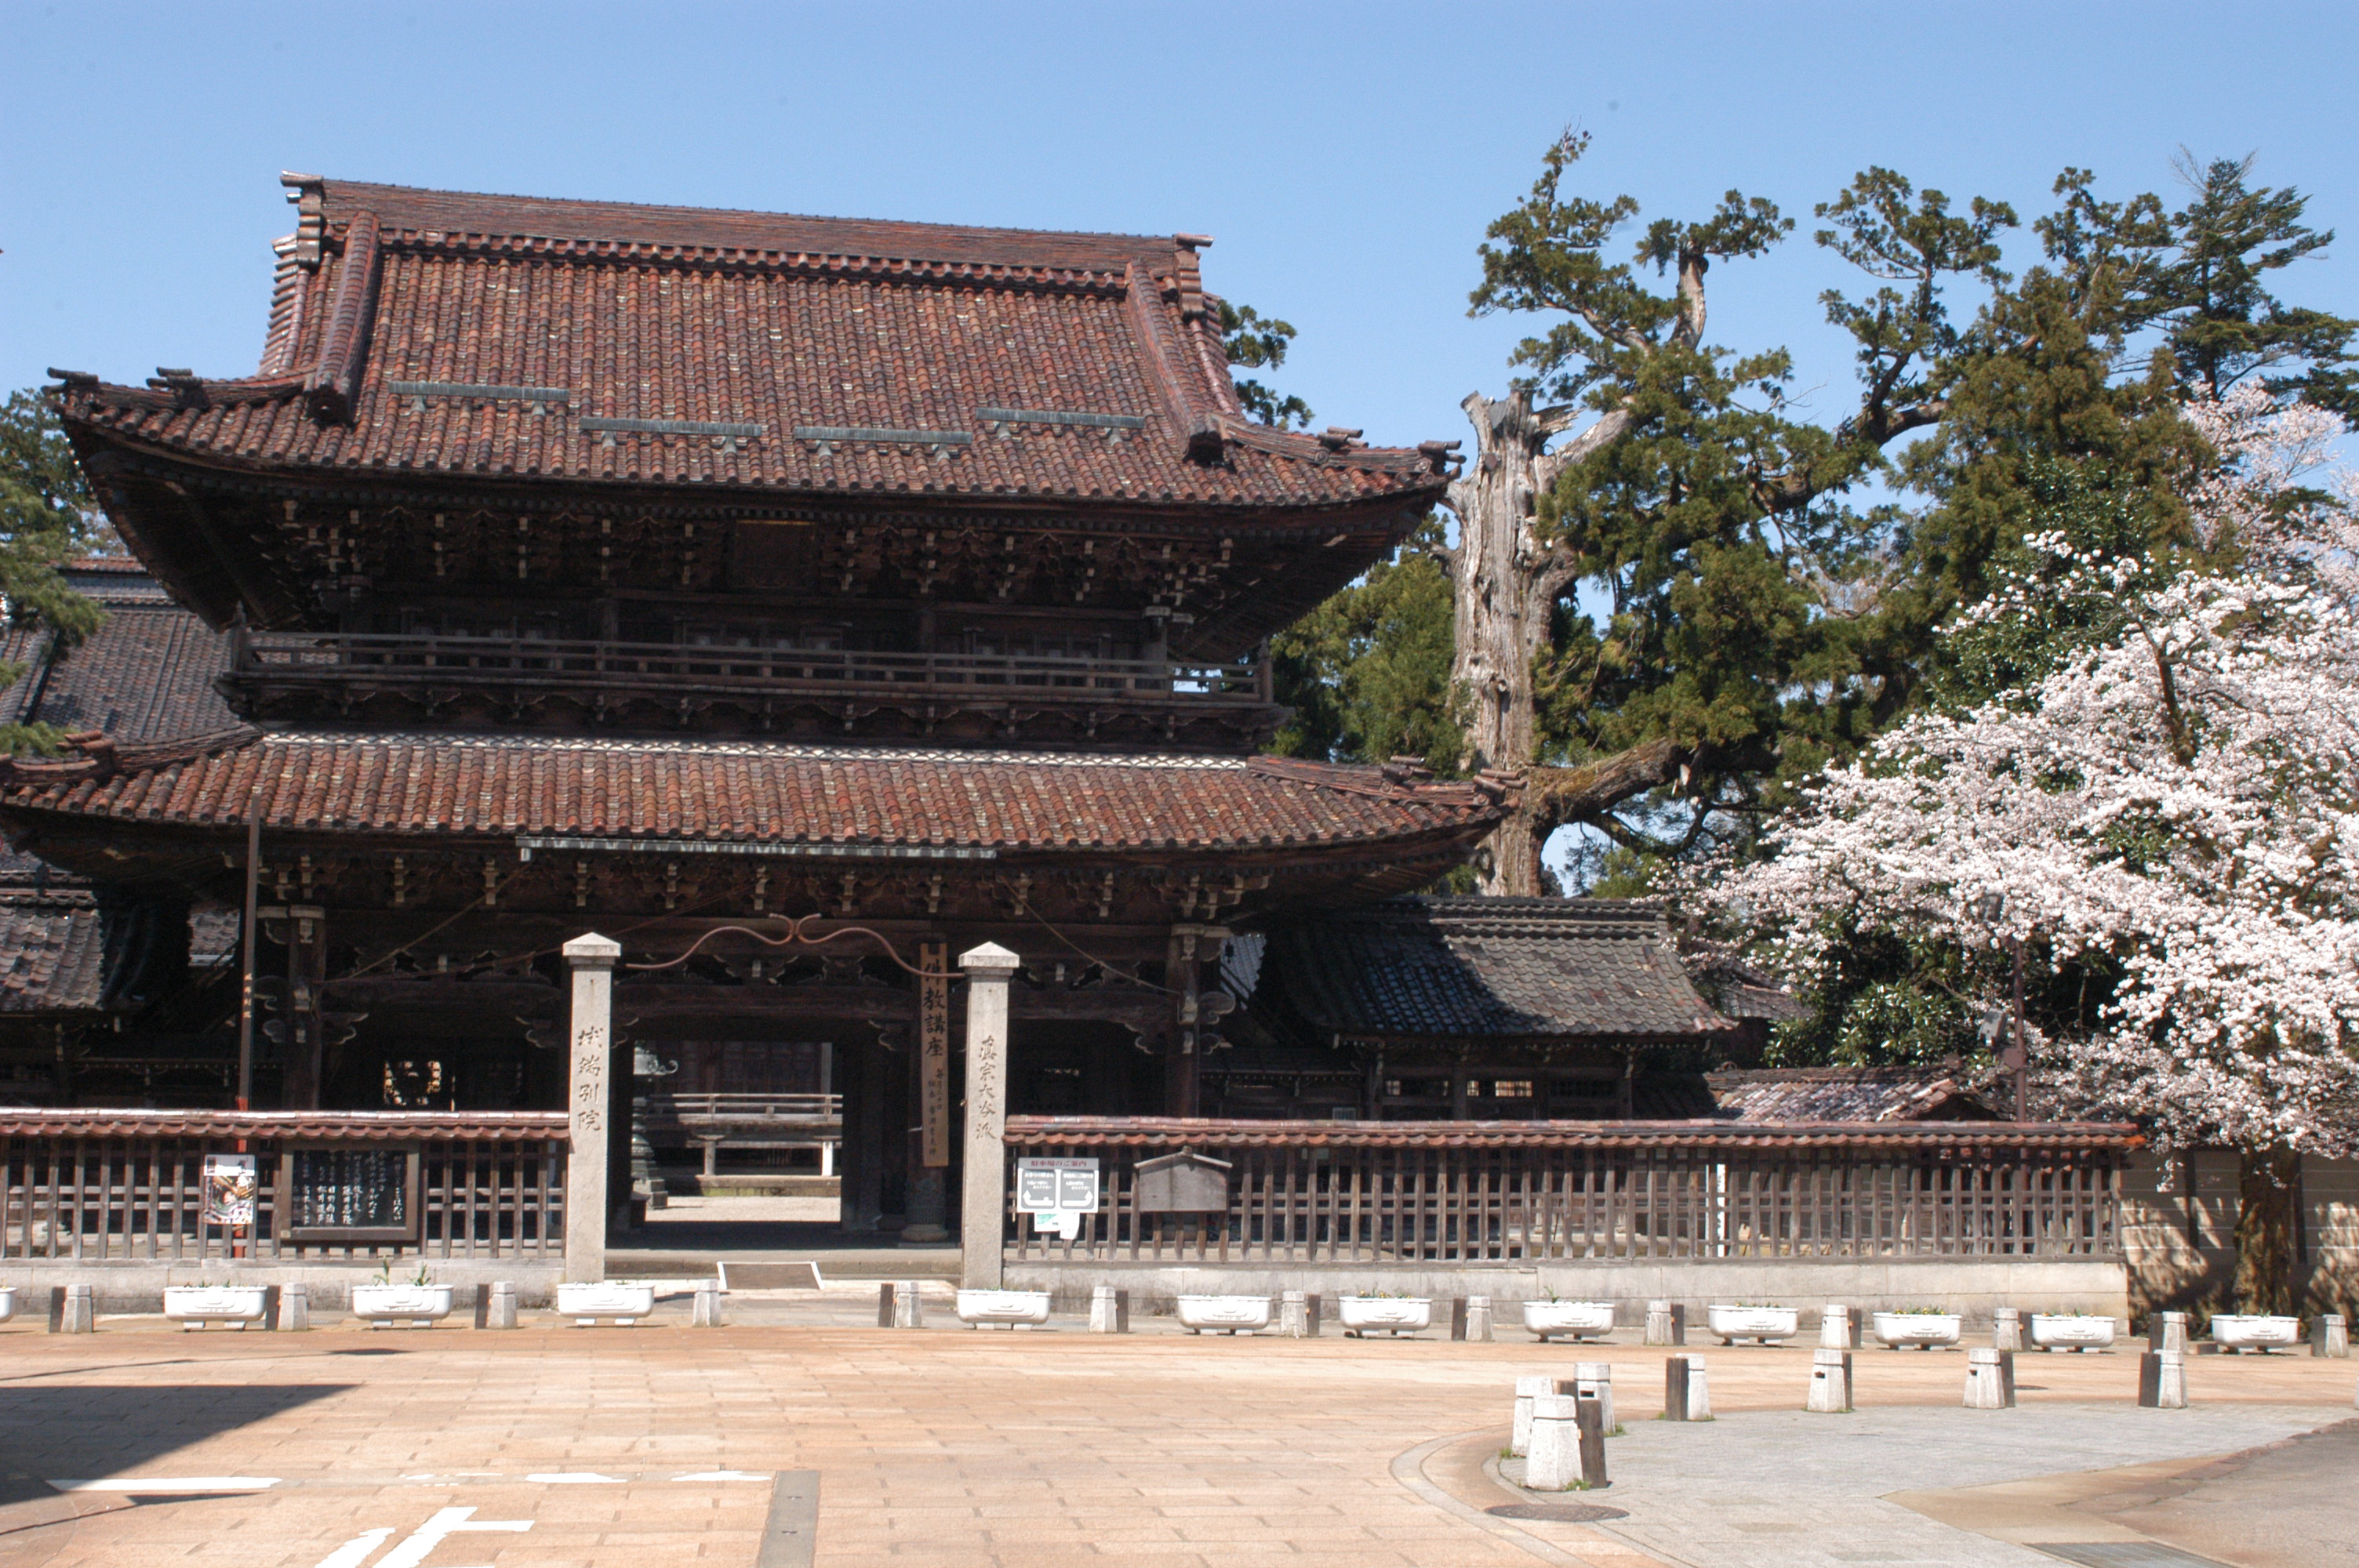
[(983, 1199), (588, 1095)]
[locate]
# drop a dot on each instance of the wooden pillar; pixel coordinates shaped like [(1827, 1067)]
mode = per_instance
[(589, 1089), (983, 1201), (928, 1141), (300, 1026)]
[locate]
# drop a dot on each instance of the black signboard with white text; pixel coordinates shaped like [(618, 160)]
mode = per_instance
[(340, 1192)]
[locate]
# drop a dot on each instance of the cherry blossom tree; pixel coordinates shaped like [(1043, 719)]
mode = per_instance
[(2175, 808)]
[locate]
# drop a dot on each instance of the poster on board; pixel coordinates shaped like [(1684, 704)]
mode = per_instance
[(230, 1186)]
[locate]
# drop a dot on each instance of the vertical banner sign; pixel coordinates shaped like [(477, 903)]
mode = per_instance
[(934, 1053), (230, 1187)]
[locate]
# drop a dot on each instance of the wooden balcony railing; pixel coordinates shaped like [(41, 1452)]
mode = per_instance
[(1475, 1192), (324, 659), (726, 1109)]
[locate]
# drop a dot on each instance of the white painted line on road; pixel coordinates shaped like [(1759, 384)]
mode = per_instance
[(575, 1478), (724, 1476), (160, 1484), (356, 1551), (422, 1541)]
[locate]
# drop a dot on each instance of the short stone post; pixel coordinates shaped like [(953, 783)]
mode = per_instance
[(1478, 1319), (1830, 1381), (1520, 1440), (908, 1305), (983, 1190), (1311, 1306), (1458, 1317), (2006, 1328), (294, 1308), (705, 1311), (2331, 1336), (1291, 1309), (1552, 1452), (1106, 1311), (500, 1309), (1594, 1379), (2162, 1380), (1989, 1379), (1663, 1324), (1589, 1420), (2167, 1331), (1834, 1327), (884, 1306), (1687, 1392), (71, 1310), (588, 1095)]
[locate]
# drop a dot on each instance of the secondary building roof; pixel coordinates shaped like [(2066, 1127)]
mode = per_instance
[(144, 675), (1498, 968)]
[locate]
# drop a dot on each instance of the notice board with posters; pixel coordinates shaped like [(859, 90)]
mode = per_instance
[(349, 1192)]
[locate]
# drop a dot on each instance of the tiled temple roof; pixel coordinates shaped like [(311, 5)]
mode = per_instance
[(53, 951), (1472, 968), (1844, 1093), (660, 791), (761, 323), (144, 675), (217, 1127)]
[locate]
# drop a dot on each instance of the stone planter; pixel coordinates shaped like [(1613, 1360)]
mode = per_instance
[(422, 1305), (1025, 1309), (1763, 1324), (7, 1304), (624, 1303), (1223, 1315), (202, 1304), (2066, 1332), (1363, 1316), (2241, 1332), (1569, 1320), (1925, 1330)]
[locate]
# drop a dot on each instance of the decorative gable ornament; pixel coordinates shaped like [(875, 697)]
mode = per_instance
[(1184, 1183)]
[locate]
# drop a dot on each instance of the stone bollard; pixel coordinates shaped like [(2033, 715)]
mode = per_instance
[(1989, 1379), (1659, 1325), (1478, 1319), (2167, 1331), (1834, 1327), (2332, 1336), (1519, 1441), (1687, 1393), (1109, 1310), (500, 1311), (706, 1313), (71, 1310), (1594, 1379), (1830, 1381), (2006, 1328), (1552, 1457), (2162, 1380), (908, 1305), (294, 1308)]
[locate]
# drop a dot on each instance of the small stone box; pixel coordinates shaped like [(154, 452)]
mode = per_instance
[(1185, 1183)]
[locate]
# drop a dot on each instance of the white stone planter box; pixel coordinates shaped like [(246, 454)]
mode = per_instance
[(1731, 1324), (202, 1304), (1025, 1309), (1925, 1330), (1572, 1320), (2062, 1332), (1363, 1316), (425, 1305), (7, 1304), (1223, 1315), (586, 1303), (2239, 1331)]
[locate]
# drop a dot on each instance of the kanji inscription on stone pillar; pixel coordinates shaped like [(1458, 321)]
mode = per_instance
[(982, 1198), (592, 958)]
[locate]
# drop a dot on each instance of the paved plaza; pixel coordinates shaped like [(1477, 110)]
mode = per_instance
[(555, 1445)]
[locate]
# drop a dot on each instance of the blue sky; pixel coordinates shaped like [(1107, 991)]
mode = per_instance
[(1346, 158)]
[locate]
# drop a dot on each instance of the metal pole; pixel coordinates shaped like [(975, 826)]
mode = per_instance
[(2022, 1048), (246, 995)]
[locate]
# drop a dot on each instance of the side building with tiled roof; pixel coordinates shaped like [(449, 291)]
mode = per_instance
[(678, 573)]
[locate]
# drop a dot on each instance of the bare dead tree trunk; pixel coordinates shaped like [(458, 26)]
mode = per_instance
[(1506, 585), (2268, 1210)]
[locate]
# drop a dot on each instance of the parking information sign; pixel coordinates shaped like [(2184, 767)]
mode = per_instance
[(1056, 1186)]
